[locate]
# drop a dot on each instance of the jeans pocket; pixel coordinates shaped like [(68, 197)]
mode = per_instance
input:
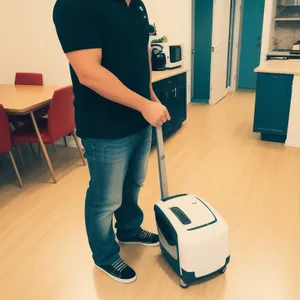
[(98, 149)]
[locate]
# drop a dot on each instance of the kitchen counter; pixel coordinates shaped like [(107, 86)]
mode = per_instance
[(278, 101), (291, 66), (279, 53), (160, 75)]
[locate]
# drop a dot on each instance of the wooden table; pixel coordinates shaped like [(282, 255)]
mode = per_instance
[(25, 99)]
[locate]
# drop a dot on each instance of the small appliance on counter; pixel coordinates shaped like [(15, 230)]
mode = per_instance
[(158, 58), (295, 53), (172, 54), (296, 46)]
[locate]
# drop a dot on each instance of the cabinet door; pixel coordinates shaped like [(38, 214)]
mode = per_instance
[(272, 108), (176, 99)]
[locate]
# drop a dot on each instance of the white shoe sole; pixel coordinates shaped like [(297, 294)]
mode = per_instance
[(124, 281), (140, 243)]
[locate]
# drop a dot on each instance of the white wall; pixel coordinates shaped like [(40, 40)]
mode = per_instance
[(268, 28), (29, 42)]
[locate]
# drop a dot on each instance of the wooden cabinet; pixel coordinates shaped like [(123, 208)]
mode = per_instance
[(172, 94), (272, 107)]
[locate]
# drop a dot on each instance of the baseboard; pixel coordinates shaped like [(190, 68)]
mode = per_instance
[(200, 100), (273, 138), (291, 143)]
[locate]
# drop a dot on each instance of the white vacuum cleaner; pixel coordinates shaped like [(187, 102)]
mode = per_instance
[(194, 238)]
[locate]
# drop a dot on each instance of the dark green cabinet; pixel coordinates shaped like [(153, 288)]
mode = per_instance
[(172, 94), (272, 106)]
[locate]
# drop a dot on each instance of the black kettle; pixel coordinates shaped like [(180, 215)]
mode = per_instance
[(158, 58)]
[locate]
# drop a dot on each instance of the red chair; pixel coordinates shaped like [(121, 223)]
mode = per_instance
[(59, 124), (5, 140), (29, 79)]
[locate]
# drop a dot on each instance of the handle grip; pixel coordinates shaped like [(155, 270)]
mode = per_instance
[(162, 163)]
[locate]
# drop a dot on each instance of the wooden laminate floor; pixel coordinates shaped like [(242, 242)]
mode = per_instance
[(44, 254)]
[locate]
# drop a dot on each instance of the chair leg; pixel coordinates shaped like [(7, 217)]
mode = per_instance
[(43, 148), (54, 148), (33, 151), (16, 168), (21, 156), (78, 147), (65, 140)]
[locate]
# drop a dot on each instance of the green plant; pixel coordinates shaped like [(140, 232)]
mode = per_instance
[(160, 40)]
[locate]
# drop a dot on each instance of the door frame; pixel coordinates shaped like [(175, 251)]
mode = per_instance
[(216, 30), (192, 47), (236, 45), (230, 42), (238, 19)]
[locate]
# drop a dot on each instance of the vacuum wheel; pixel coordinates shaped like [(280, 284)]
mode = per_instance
[(183, 284), (222, 271)]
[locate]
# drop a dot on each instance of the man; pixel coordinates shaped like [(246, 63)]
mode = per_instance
[(106, 43)]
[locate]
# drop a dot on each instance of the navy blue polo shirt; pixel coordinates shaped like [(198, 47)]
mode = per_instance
[(122, 32)]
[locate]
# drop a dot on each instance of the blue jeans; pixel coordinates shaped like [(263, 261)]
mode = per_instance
[(118, 169)]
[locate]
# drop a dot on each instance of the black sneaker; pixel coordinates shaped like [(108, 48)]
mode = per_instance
[(145, 238), (119, 271)]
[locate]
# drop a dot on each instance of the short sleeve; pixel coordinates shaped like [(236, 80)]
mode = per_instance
[(76, 25)]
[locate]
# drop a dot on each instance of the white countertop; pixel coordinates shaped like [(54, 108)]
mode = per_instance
[(160, 75), (291, 66), (279, 53)]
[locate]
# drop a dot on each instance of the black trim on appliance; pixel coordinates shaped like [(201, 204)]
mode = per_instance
[(204, 225), (165, 227), (172, 197), (182, 217), (190, 276)]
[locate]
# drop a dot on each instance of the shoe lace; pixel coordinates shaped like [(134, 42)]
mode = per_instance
[(119, 265), (145, 234)]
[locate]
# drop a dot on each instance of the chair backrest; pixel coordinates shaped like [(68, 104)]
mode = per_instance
[(61, 113), (29, 79), (5, 141)]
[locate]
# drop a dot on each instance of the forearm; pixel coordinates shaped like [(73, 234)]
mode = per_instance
[(150, 67), (106, 84)]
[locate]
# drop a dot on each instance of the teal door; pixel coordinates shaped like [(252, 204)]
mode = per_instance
[(203, 20), (253, 14)]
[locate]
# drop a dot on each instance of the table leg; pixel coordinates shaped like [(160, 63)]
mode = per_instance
[(16, 168), (43, 148)]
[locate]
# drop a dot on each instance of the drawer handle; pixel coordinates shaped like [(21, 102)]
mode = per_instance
[(175, 92)]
